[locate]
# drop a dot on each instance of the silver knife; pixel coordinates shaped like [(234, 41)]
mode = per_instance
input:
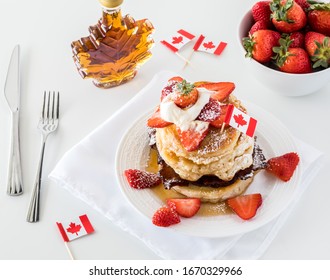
[(12, 94)]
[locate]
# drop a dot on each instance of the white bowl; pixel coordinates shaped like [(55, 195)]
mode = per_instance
[(282, 83)]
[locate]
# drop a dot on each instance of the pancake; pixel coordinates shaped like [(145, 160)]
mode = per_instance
[(223, 166)]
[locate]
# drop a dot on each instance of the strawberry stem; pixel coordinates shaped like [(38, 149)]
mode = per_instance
[(184, 87), (279, 11), (321, 55)]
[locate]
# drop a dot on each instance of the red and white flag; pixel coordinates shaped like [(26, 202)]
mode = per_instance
[(75, 228), (177, 41), (241, 121), (209, 46)]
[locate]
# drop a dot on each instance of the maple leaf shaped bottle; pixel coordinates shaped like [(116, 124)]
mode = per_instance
[(115, 48)]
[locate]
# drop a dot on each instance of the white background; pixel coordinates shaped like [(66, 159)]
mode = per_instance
[(45, 31)]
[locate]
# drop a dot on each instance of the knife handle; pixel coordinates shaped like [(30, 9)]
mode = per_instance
[(14, 185)]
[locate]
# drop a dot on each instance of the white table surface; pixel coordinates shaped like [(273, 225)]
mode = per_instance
[(45, 32)]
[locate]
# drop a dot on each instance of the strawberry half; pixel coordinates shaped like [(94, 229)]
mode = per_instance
[(210, 112), (221, 118), (245, 206), (192, 137), (139, 179), (185, 207), (165, 217), (156, 120), (283, 166), (222, 89)]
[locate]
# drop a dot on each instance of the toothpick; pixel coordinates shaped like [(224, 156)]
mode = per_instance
[(222, 127), (188, 59), (69, 251), (184, 59)]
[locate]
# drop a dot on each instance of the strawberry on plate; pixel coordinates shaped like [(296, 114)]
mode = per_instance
[(221, 119), (192, 136), (169, 88), (245, 206), (185, 207), (283, 166), (139, 179), (156, 120), (222, 89), (185, 94), (210, 112), (165, 217)]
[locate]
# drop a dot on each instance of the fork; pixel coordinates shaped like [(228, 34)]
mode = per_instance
[(48, 123)]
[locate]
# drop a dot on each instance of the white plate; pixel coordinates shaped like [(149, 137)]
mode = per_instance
[(274, 139)]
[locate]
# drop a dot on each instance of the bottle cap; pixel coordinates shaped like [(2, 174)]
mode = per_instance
[(111, 3)]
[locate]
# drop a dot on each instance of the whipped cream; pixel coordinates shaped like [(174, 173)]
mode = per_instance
[(182, 118)]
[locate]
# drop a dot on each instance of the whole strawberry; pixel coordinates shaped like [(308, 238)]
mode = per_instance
[(261, 11), (318, 47), (140, 179), (304, 4), (297, 38), (287, 16), (292, 60), (260, 25), (260, 45), (319, 17)]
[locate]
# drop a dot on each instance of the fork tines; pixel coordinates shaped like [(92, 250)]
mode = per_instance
[(51, 107)]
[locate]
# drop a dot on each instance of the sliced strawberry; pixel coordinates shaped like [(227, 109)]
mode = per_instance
[(222, 89), (221, 118), (165, 217), (185, 207), (283, 166), (245, 206), (139, 179), (156, 121), (192, 137), (169, 88), (210, 112), (176, 79)]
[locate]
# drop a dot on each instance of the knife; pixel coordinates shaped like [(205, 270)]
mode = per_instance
[(12, 94)]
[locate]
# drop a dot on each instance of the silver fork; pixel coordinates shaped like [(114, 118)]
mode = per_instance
[(48, 123)]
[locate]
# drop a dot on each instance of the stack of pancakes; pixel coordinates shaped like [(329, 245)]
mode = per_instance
[(222, 167)]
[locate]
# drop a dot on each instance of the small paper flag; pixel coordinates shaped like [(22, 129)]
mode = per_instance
[(176, 42), (241, 121), (209, 46), (75, 228)]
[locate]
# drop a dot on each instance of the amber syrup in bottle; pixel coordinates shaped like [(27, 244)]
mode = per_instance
[(116, 47)]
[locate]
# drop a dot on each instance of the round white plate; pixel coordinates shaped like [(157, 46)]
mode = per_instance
[(273, 138)]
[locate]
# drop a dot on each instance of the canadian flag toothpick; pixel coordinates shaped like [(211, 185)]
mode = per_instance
[(241, 121), (74, 229), (209, 46), (176, 42)]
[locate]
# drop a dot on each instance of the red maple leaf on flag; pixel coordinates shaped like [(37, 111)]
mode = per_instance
[(177, 40), (209, 45), (239, 119), (73, 228)]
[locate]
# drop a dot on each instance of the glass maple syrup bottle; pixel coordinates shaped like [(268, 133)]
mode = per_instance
[(115, 48)]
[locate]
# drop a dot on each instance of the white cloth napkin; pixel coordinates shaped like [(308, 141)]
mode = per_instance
[(88, 172)]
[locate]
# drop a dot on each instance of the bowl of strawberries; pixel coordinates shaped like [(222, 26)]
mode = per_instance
[(288, 45)]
